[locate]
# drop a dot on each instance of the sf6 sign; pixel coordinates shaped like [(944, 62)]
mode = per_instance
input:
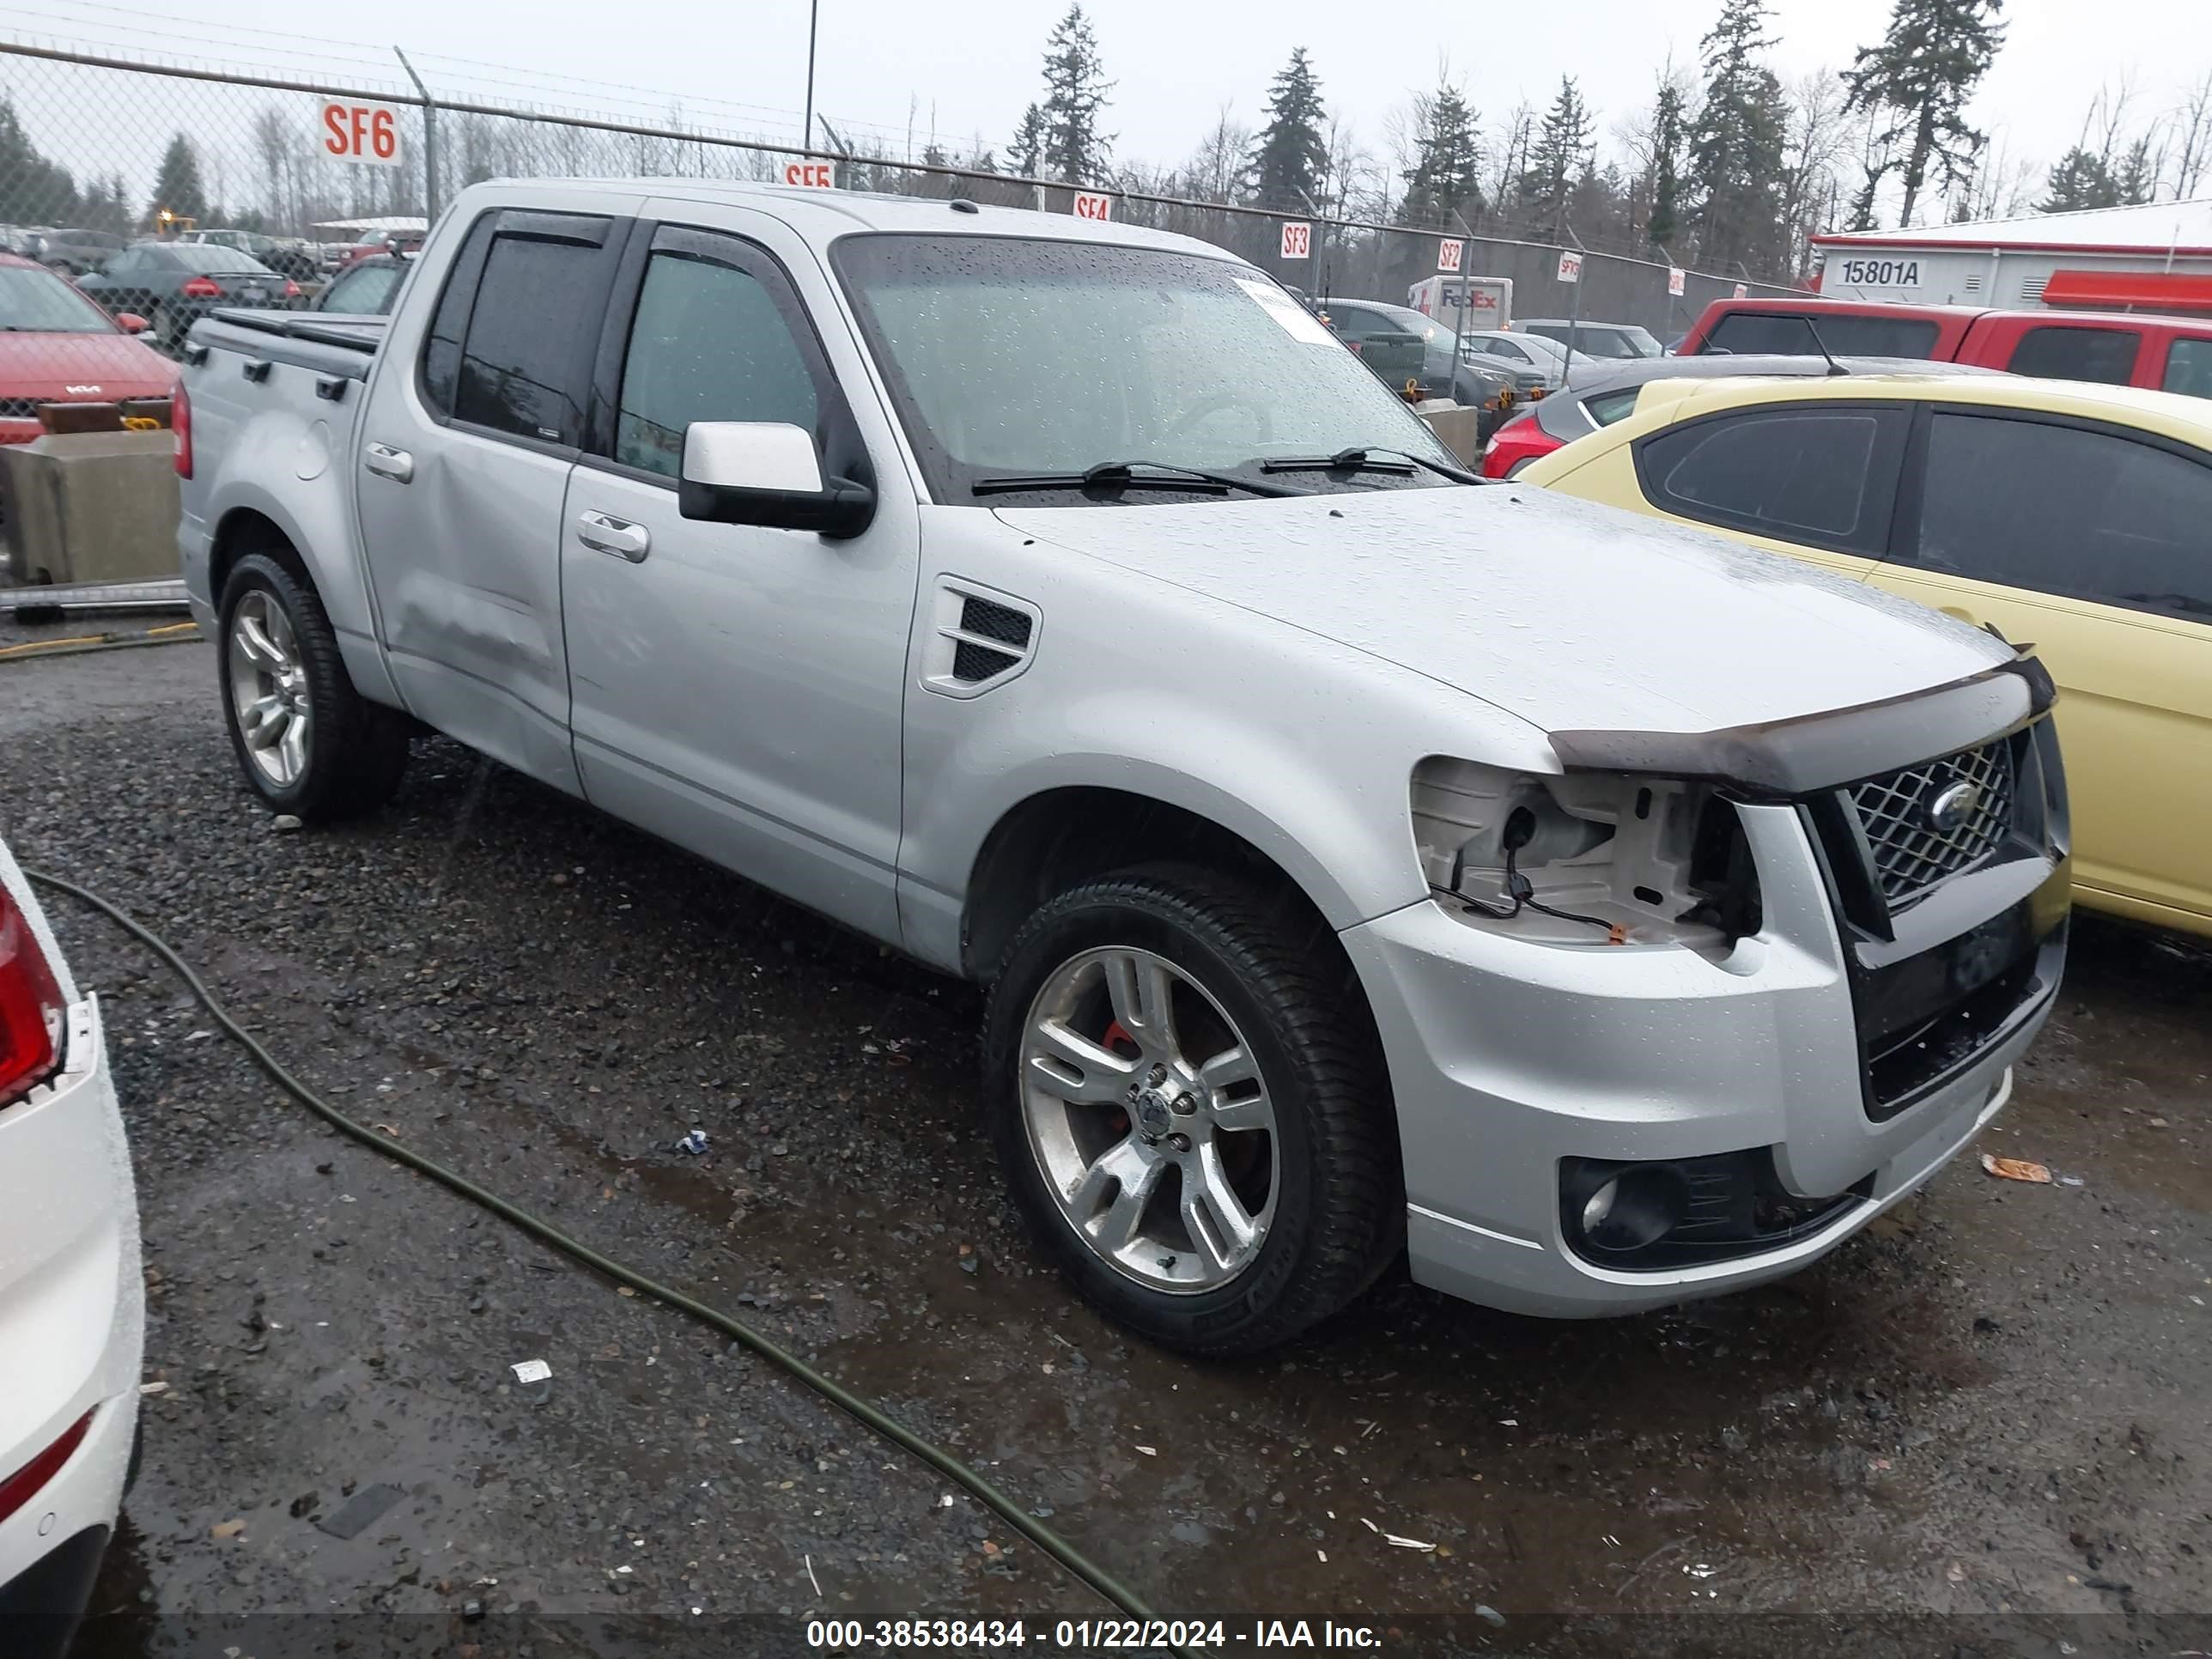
[(810, 175), (360, 132)]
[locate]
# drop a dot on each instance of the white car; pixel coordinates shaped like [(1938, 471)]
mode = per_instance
[(72, 1308)]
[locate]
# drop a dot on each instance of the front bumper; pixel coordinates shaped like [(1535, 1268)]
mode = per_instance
[(1507, 1057), (72, 1329)]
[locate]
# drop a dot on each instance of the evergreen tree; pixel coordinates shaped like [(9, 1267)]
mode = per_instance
[(1074, 150), (1291, 156), (1669, 133), (2079, 180), (1557, 159), (1737, 148), (1446, 176), (178, 186), (1924, 70), (2135, 181), (1026, 153), (32, 190)]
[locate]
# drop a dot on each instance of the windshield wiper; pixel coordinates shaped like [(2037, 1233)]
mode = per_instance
[(1357, 459), (1123, 474)]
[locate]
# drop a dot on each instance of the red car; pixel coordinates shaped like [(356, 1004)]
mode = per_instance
[(2113, 348), (57, 347)]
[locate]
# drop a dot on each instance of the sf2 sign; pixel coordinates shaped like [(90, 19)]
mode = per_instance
[(1448, 255), (360, 132), (1297, 241), (810, 175), (1093, 204)]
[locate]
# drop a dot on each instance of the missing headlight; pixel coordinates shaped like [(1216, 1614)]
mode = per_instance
[(1585, 858)]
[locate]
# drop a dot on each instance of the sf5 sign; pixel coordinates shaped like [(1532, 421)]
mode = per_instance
[(360, 132)]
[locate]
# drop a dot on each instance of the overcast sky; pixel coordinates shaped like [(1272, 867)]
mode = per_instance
[(972, 64)]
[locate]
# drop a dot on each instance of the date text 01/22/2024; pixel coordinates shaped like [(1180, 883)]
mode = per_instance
[(1081, 1635)]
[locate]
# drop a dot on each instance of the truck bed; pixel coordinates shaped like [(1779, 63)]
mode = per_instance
[(326, 343)]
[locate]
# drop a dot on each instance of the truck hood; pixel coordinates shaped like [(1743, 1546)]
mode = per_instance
[(1569, 615)]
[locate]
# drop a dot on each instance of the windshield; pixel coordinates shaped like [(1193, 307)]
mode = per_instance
[(1614, 340), (38, 302), (1013, 357)]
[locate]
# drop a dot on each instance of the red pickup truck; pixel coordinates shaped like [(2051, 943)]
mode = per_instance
[(2115, 347)]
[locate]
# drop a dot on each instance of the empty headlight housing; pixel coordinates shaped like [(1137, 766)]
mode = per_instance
[(1601, 858)]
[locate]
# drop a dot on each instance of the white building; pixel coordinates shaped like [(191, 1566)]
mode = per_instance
[(2154, 258)]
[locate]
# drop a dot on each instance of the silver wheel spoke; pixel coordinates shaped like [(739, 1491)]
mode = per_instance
[(260, 650), (1077, 1069), (1219, 1223), (1129, 1172), (294, 748), (1250, 1109), (265, 721), (1142, 992)]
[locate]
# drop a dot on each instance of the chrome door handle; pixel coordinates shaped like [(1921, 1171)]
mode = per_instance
[(386, 462), (619, 537)]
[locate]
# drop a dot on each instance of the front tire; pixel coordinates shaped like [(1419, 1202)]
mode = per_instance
[(1189, 1099), (308, 743)]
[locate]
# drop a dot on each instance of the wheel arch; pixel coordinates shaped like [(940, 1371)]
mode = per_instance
[(1053, 839)]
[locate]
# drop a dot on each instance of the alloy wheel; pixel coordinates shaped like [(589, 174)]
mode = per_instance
[(1149, 1119), (268, 689)]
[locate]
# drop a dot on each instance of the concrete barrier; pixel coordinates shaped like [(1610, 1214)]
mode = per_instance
[(89, 507), (1458, 425)]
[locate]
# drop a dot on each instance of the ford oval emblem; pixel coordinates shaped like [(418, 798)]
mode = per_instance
[(1949, 810)]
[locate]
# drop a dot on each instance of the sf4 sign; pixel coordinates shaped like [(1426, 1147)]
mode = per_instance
[(360, 132), (1297, 241), (1449, 254), (1570, 267), (811, 174), (1093, 205)]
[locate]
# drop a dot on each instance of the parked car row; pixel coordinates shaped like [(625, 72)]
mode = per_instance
[(57, 347)]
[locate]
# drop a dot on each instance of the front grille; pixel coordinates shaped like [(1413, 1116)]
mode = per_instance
[(19, 408), (1899, 814)]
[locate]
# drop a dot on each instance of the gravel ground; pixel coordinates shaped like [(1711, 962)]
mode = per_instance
[(1981, 1428)]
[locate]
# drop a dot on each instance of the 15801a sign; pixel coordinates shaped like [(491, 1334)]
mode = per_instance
[(1878, 273)]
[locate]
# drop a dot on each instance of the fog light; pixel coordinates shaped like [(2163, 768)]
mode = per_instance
[(1600, 1206)]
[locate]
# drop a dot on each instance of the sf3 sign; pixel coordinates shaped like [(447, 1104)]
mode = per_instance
[(360, 132), (1297, 241), (1093, 204)]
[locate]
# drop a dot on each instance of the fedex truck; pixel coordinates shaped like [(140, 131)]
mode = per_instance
[(1488, 300)]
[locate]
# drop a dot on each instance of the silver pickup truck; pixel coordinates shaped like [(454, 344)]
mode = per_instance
[(1360, 859)]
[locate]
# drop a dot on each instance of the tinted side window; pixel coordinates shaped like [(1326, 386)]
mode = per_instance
[(1785, 334), (2189, 367), (521, 369), (708, 344), (1822, 476), (2067, 510), (2104, 355), (441, 349)]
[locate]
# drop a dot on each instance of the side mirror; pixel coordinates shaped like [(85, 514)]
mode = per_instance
[(130, 322), (765, 473)]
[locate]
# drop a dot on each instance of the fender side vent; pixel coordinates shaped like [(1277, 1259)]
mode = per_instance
[(983, 639)]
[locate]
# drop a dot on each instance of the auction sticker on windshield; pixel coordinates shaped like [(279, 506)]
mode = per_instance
[(1297, 322)]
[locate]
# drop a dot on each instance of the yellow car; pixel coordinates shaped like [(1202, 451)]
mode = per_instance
[(2074, 516)]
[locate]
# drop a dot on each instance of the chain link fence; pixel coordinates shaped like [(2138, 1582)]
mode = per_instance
[(94, 151)]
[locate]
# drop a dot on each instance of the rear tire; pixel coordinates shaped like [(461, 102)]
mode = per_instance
[(308, 743), (1318, 1181)]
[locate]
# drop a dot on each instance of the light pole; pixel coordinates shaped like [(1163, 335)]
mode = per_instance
[(813, 17)]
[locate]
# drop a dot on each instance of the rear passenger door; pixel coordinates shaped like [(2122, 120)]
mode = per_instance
[(2090, 541), (1815, 481), (473, 423)]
